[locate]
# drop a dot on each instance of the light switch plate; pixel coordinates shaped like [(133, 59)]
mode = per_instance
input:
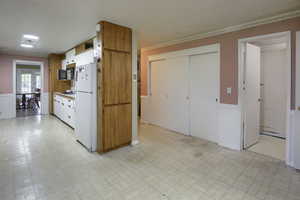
[(228, 91)]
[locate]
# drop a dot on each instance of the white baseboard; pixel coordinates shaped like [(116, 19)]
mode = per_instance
[(6, 106), (134, 142)]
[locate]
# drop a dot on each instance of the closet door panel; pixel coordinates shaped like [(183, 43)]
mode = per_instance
[(159, 90), (169, 92), (177, 96), (204, 94)]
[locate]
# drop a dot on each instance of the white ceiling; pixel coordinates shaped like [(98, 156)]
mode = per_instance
[(61, 24)]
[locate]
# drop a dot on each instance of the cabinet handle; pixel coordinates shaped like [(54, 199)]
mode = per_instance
[(69, 106), (69, 116)]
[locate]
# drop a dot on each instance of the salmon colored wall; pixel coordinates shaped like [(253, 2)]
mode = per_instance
[(229, 55), (6, 71)]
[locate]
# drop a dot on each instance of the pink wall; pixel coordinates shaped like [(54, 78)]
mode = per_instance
[(229, 55), (6, 71)]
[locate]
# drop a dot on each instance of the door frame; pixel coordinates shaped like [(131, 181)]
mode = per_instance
[(241, 97), (14, 78)]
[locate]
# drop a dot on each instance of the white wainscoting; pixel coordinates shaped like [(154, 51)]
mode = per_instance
[(229, 126), (295, 147), (45, 103), (229, 123), (145, 110), (6, 106)]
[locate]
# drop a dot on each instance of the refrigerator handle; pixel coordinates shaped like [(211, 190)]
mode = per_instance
[(76, 75)]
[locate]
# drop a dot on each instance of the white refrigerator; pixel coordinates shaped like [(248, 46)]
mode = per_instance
[(86, 105)]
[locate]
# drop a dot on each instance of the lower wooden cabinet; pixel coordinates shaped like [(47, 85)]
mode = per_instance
[(116, 126)]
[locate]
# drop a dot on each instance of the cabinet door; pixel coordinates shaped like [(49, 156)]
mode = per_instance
[(55, 105), (70, 113), (116, 37), (64, 64), (85, 58), (117, 126), (117, 77), (70, 56)]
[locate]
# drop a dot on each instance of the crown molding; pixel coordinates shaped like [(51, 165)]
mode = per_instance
[(229, 29)]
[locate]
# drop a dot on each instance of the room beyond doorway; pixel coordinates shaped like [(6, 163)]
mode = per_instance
[(28, 90), (27, 87), (265, 64)]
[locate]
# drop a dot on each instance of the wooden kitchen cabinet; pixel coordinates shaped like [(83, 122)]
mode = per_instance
[(114, 87), (55, 85), (117, 77), (71, 56)]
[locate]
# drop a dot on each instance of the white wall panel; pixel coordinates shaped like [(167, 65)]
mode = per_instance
[(6, 106), (229, 126)]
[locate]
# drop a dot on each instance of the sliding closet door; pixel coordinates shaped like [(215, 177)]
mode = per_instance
[(204, 94), (158, 93), (177, 83), (169, 93)]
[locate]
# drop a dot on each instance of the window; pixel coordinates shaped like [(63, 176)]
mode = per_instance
[(38, 82), (26, 83)]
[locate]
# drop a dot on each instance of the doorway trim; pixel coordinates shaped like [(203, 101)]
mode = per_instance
[(241, 97), (28, 62)]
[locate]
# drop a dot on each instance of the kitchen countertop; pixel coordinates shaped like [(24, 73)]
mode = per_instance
[(71, 96)]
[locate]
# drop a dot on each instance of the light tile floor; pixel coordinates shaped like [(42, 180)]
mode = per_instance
[(39, 159), (270, 146)]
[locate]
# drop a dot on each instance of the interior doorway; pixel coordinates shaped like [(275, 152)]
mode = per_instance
[(266, 86), (27, 88)]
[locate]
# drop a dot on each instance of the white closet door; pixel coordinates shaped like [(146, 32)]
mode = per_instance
[(177, 96), (159, 90), (273, 115), (204, 93), (252, 95), (169, 91)]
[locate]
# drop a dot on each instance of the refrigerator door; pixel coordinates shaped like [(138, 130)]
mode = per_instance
[(83, 116), (84, 78)]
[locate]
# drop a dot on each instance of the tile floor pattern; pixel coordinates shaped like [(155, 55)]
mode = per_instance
[(39, 159)]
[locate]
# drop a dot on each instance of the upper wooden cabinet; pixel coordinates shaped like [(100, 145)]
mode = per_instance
[(115, 37), (117, 77), (55, 85)]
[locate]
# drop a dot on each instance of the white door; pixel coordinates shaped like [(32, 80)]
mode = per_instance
[(177, 96), (83, 125), (169, 91), (204, 95), (252, 95), (274, 92), (84, 75), (158, 93)]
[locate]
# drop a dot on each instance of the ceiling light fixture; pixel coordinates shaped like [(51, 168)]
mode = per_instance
[(30, 37), (27, 45)]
